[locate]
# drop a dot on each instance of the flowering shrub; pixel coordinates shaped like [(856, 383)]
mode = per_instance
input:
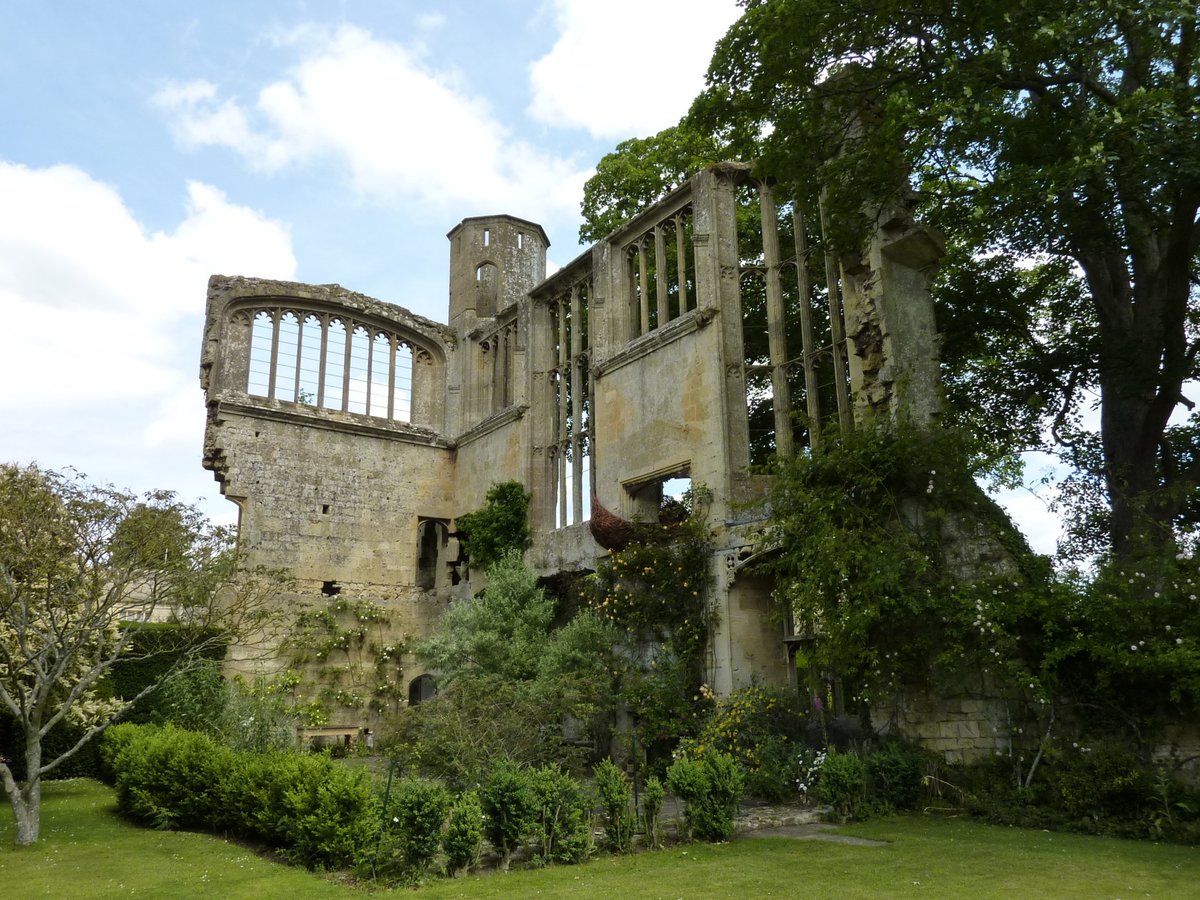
[(760, 728), (655, 592), (808, 771)]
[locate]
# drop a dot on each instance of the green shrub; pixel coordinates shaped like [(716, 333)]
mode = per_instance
[(171, 778), (652, 801), (894, 774), (115, 739), (464, 833), (843, 784), (333, 818), (510, 809), (501, 526), (760, 727), (563, 818), (319, 813), (1104, 781), (711, 788), (419, 809), (616, 795)]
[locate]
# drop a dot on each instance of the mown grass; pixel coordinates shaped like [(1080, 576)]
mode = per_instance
[(87, 851)]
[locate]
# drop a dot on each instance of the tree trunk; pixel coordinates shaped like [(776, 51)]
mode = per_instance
[(1140, 382), (26, 798), (27, 809)]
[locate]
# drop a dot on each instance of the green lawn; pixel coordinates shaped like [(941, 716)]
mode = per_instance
[(86, 851)]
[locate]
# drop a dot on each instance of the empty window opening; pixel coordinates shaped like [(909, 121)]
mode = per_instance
[(660, 273), (420, 689), (432, 538), (324, 509), (520, 240), (487, 237), (318, 360), (666, 500), (331, 588), (570, 379)]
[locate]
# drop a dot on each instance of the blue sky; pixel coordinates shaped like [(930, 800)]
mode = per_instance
[(146, 145)]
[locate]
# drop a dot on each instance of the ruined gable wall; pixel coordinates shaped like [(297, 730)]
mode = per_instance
[(330, 495)]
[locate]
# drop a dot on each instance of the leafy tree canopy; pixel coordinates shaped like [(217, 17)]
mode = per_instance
[(1052, 131), (1054, 144), (82, 570)]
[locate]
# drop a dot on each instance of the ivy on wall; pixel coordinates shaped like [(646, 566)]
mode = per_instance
[(500, 526), (656, 592), (350, 663)]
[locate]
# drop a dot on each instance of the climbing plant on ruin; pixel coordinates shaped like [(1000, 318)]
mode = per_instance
[(655, 592), (352, 660), (501, 525)]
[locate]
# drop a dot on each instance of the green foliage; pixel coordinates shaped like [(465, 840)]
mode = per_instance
[(870, 541), (843, 784), (512, 678), (510, 808), (158, 652), (761, 728), (171, 778), (319, 813), (711, 787), (655, 592), (1029, 131), (499, 528), (503, 631), (652, 803), (333, 820), (1097, 782), (894, 773), (463, 841), (419, 809), (82, 570), (347, 649), (475, 720), (639, 172), (616, 797), (563, 818)]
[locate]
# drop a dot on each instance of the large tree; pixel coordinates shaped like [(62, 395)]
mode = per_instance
[(82, 570), (1033, 129)]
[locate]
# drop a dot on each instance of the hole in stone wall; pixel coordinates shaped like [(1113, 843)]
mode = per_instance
[(420, 689), (662, 499), (520, 240), (331, 588), (325, 509), (487, 237)]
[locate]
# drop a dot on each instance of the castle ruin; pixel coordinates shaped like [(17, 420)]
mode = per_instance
[(351, 433)]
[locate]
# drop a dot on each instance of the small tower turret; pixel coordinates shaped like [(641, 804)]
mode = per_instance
[(494, 262)]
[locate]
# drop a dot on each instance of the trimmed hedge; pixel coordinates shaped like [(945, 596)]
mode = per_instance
[(317, 812)]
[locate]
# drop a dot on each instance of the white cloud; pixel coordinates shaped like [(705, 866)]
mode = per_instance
[(402, 129), (98, 312), (627, 68)]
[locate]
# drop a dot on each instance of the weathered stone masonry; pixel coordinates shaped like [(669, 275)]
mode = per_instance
[(351, 433)]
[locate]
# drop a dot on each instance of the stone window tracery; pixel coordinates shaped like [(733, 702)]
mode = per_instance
[(660, 267), (570, 382), (329, 361)]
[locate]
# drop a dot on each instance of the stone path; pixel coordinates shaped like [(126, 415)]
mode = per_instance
[(799, 823)]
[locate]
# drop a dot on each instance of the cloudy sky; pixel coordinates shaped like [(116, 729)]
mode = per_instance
[(146, 144)]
